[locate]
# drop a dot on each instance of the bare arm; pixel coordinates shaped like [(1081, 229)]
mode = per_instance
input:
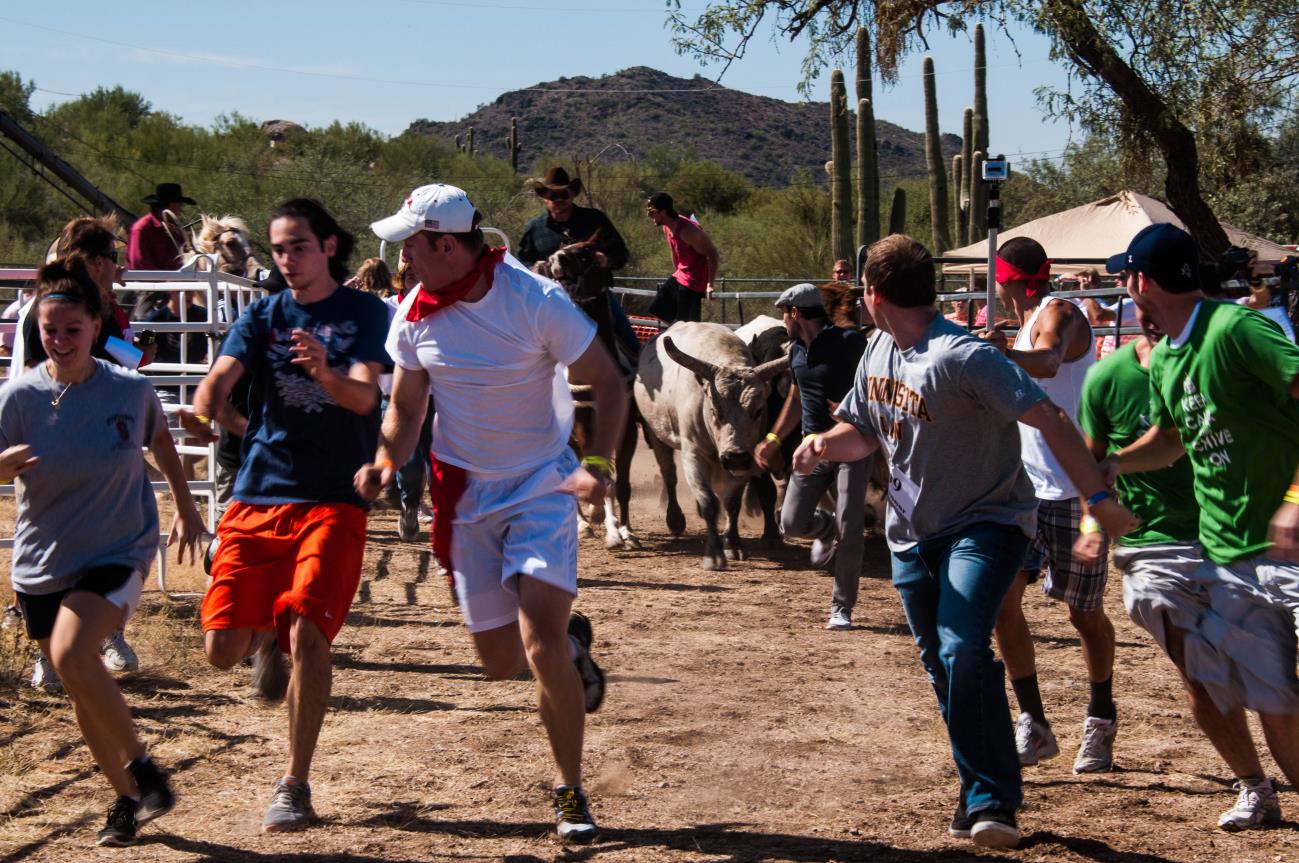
[(696, 239), (1058, 337), (596, 369), (1066, 444), (841, 443), (1156, 449), (785, 423), (187, 525), (399, 433), (211, 394), (356, 391)]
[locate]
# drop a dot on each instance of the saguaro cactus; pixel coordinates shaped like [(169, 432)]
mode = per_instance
[(868, 165), (937, 170), (979, 134), (512, 144), (841, 180), (978, 227), (958, 208), (966, 189), (898, 212)]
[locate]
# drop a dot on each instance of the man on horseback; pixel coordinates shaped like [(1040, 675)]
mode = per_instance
[(156, 238)]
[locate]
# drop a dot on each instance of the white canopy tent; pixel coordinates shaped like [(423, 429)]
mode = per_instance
[(1098, 230)]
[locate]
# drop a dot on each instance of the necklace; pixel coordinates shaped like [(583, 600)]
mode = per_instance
[(54, 402)]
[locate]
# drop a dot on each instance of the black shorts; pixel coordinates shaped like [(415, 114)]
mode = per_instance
[(40, 610), (688, 304)]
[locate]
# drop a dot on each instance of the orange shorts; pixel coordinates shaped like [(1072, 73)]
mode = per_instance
[(273, 559)]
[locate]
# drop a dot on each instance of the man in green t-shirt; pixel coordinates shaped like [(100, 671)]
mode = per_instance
[(1224, 390), (1160, 559)]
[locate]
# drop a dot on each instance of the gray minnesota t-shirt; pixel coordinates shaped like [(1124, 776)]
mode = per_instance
[(88, 501), (945, 412)]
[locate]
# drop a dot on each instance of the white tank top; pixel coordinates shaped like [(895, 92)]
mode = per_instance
[(1050, 482)]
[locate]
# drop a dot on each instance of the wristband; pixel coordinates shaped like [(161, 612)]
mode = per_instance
[(773, 437), (1292, 495), (1089, 525), (600, 463), (383, 463), (808, 437), (203, 419), (1102, 495)]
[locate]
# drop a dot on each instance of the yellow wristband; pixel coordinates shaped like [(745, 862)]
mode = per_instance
[(773, 437), (1089, 525), (204, 419), (600, 463), (816, 435), (1292, 497)]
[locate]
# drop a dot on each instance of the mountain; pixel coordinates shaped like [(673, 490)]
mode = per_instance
[(766, 140)]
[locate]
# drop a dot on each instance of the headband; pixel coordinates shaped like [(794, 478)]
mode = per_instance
[(1008, 272), (69, 297)]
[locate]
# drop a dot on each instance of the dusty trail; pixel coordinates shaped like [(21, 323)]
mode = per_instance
[(736, 729)]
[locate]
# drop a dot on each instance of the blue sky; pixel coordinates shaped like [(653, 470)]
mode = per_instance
[(388, 62)]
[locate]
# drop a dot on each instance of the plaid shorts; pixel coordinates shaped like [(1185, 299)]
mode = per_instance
[(1067, 579)]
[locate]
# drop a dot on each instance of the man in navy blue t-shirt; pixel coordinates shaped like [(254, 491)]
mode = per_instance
[(292, 540)]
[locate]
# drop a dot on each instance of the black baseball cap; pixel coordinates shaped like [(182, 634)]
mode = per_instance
[(1166, 254)]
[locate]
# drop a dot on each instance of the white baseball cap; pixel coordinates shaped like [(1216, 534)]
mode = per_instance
[(435, 207)]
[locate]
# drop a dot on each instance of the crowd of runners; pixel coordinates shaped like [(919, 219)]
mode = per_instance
[(1180, 450)]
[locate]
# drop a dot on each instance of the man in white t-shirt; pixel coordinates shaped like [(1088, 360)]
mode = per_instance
[(490, 339)]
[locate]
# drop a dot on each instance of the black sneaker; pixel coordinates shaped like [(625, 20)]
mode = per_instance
[(270, 678), (120, 829), (995, 828), (579, 627), (573, 815), (156, 797), (962, 821)]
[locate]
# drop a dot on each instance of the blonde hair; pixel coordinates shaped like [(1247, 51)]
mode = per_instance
[(374, 277)]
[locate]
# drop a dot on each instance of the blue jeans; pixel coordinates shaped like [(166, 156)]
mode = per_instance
[(951, 589), (411, 475)]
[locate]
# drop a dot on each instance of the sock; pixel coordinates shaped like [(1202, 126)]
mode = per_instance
[(1030, 697), (574, 648), (1102, 700), (1252, 780)]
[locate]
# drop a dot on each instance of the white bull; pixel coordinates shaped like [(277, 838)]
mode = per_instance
[(699, 392)]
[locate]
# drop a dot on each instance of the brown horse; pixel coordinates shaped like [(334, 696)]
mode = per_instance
[(576, 269)]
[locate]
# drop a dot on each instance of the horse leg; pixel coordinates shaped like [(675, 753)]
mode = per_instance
[(622, 485)]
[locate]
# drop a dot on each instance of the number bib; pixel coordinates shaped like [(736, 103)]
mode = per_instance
[(902, 493)]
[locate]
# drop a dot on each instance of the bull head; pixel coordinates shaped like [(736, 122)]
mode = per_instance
[(707, 371)]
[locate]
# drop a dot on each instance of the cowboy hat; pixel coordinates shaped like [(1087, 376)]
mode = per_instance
[(555, 179), (168, 193)]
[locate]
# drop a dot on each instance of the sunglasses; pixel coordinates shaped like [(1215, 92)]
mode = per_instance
[(111, 256), (558, 195)]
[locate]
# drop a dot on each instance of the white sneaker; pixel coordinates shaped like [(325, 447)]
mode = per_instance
[(118, 655), (1034, 741), (1096, 753), (839, 620), (1256, 805), (823, 547), (45, 678)]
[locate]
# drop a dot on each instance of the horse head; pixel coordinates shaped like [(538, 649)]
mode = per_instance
[(226, 238), (578, 270)]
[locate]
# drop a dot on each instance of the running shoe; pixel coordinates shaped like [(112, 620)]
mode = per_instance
[(1256, 805), (117, 654), (1096, 753), (839, 620), (408, 524), (823, 547), (270, 678), (156, 797), (995, 828), (209, 554), (579, 629), (1034, 741), (962, 821), (45, 678), (120, 829), (290, 807), (573, 815)]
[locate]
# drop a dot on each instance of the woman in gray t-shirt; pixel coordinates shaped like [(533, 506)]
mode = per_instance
[(72, 433)]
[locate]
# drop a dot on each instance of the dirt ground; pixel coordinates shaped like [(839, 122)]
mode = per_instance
[(735, 729)]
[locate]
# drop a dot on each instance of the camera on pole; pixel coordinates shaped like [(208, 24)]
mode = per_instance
[(995, 172)]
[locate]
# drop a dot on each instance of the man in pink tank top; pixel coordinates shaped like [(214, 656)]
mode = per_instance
[(694, 256), (1056, 347)]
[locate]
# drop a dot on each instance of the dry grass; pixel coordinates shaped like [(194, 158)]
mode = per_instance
[(736, 729)]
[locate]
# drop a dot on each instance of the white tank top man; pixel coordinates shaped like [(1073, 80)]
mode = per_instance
[(1056, 347)]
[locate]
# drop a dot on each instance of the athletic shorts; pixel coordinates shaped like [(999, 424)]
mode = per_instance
[(1068, 579), (1245, 646), (1162, 587), (510, 527), (273, 559), (119, 584)]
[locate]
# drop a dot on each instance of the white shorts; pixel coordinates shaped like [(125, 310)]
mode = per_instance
[(1161, 585), (1245, 644), (510, 527)]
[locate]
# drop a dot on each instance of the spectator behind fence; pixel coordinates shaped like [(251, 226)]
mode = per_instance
[(156, 237), (694, 256)]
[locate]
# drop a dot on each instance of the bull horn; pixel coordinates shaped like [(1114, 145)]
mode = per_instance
[(769, 370), (704, 369)]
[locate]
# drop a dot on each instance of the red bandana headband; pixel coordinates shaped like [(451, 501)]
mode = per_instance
[(429, 302), (1008, 272)]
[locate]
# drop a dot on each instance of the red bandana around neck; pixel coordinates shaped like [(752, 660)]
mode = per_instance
[(428, 302), (1008, 272)]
